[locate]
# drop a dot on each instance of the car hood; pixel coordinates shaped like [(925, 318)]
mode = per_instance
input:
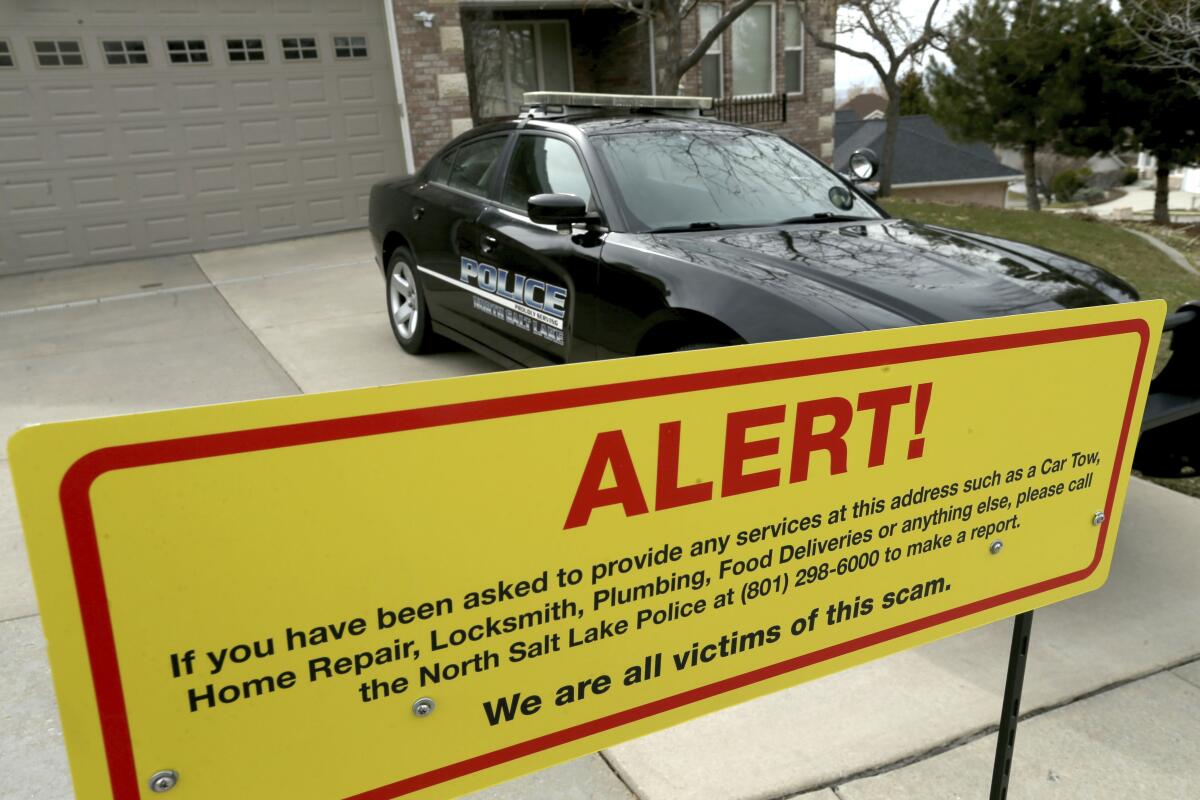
[(895, 272)]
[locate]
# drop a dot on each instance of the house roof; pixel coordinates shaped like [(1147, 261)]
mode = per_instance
[(865, 104), (925, 153)]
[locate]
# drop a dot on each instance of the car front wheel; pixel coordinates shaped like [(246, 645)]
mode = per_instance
[(407, 310)]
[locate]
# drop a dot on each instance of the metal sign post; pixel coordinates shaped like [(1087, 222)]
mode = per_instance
[(1010, 712)]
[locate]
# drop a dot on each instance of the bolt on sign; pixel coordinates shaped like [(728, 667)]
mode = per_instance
[(432, 587)]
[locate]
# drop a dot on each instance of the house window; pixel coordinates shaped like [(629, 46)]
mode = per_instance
[(793, 49), (712, 70), (123, 52), (299, 48), (350, 47), (58, 52), (243, 50), (754, 51), (511, 58), (187, 51), (6, 54)]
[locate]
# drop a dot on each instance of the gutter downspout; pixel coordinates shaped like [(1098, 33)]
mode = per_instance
[(653, 66), (389, 15)]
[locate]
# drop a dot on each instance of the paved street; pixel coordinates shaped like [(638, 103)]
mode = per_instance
[(1112, 691)]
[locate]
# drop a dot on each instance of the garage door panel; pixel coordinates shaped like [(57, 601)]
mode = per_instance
[(137, 99), (148, 141), (360, 88), (305, 91), (207, 138), (319, 169), (261, 133), (109, 238), (158, 185), (22, 149), (71, 103), (85, 145), (368, 165), (16, 105), (168, 231), (273, 174), (253, 94), (198, 97), (25, 196), (277, 218), (96, 191), (106, 162), (43, 246), (214, 179)]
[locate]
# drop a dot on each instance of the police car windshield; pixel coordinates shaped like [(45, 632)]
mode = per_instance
[(670, 179)]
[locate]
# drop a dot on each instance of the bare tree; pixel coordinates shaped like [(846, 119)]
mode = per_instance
[(901, 41), (668, 17), (1168, 32)]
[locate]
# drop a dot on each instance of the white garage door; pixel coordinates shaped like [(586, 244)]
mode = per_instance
[(135, 127)]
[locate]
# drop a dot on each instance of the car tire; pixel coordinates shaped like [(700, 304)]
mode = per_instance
[(408, 313)]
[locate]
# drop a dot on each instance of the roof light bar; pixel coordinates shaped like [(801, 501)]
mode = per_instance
[(588, 100)]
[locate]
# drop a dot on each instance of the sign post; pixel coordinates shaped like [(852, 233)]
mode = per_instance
[(1010, 710), (434, 587)]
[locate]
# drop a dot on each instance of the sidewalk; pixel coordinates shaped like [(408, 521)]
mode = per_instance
[(1113, 681)]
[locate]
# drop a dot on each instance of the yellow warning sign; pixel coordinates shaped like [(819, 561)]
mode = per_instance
[(418, 590)]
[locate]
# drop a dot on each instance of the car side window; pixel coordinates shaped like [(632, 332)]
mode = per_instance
[(544, 165), (475, 164)]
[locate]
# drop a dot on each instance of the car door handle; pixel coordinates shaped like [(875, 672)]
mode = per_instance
[(488, 244), (418, 212)]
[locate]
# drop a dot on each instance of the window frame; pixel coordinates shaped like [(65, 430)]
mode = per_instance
[(10, 52), (58, 53), (299, 48), (124, 51), (539, 61), (245, 50), (594, 203), (717, 48), (350, 46), (773, 38), (800, 48), (188, 51)]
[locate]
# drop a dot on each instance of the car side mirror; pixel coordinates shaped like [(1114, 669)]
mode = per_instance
[(562, 210), (863, 165)]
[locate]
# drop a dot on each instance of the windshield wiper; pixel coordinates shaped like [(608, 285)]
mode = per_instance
[(692, 226), (822, 216)]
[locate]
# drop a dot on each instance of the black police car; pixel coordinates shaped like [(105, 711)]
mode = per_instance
[(595, 226)]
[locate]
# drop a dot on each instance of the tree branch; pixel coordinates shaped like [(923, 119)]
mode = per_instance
[(865, 56), (693, 58)]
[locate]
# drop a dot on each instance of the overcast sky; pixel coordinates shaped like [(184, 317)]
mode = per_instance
[(852, 71)]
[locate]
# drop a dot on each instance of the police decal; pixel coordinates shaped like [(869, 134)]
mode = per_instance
[(527, 303)]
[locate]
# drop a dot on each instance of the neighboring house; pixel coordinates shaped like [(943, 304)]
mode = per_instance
[(132, 128), (867, 105), (928, 164), (478, 57)]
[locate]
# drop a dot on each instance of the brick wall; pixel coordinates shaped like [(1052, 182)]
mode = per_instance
[(435, 75)]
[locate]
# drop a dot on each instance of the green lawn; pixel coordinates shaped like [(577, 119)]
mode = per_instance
[(1101, 243)]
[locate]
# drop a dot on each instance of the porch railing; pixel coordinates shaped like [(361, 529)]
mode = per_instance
[(752, 109)]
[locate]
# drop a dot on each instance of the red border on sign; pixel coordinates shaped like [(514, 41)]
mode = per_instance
[(93, 600)]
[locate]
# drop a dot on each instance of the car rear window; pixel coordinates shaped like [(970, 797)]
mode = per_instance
[(475, 163)]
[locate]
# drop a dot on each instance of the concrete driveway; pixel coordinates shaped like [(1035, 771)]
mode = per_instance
[(1113, 688)]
